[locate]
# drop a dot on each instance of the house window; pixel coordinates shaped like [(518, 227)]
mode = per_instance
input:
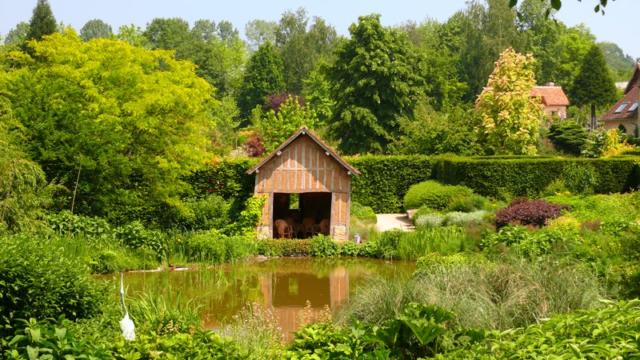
[(621, 108)]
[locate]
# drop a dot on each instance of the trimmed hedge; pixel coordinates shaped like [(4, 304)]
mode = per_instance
[(530, 176), (385, 179)]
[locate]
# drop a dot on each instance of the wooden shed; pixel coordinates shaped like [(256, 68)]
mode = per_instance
[(308, 187)]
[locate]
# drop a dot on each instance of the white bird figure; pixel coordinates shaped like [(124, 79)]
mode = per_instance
[(126, 324)]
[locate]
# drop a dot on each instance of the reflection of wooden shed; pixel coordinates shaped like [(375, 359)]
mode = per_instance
[(308, 185)]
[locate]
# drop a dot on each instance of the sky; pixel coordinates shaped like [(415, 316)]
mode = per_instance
[(619, 24)]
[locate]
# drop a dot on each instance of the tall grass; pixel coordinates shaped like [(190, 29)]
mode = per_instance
[(483, 295), (163, 315), (412, 245)]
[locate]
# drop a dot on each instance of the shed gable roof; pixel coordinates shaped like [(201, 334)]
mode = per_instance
[(303, 131)]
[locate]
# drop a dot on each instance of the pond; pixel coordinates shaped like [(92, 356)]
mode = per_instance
[(293, 289)]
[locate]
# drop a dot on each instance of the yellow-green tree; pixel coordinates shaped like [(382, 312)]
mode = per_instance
[(277, 125), (509, 117), (119, 126)]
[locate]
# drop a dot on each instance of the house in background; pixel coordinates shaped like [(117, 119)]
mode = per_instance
[(554, 100), (624, 114)]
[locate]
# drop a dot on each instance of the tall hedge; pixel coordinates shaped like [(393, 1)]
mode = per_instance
[(385, 179), (530, 176)]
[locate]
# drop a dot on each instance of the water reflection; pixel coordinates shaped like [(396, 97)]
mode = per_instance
[(290, 288)]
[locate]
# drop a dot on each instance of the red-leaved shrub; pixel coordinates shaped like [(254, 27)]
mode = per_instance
[(528, 212), (254, 146), (275, 101)]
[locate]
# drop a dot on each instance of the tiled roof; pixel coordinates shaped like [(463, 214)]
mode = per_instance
[(620, 112), (551, 95), (625, 108)]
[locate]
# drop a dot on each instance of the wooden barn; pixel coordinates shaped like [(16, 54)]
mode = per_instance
[(308, 187)]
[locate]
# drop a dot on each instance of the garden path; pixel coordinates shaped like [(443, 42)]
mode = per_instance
[(388, 222)]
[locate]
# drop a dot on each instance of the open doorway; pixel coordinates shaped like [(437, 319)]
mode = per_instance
[(302, 215)]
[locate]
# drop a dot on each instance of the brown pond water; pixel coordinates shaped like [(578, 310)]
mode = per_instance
[(293, 289)]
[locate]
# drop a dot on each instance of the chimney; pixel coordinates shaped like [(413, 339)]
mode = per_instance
[(551, 83)]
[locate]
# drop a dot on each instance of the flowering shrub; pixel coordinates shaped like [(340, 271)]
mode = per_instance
[(528, 212)]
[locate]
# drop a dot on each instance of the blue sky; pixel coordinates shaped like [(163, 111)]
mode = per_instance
[(620, 24)]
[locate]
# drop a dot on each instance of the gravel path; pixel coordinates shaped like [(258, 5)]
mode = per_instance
[(388, 222)]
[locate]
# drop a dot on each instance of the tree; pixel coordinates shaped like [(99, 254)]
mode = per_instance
[(431, 132), (133, 35), (621, 64), (509, 117), (42, 21), (122, 125), (217, 50), (263, 77), (552, 5), (18, 34), (301, 46), (376, 82), (276, 125), (259, 32), (593, 86), (95, 28), (23, 188)]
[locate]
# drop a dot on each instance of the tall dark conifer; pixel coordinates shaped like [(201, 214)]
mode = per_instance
[(42, 21), (594, 85)]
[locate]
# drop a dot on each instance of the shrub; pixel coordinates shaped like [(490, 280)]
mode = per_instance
[(213, 247), (428, 220), (68, 224), (135, 236), (568, 136), (209, 212), (437, 196), (284, 247), (528, 212), (605, 333), (464, 218), (323, 246), (349, 249), (363, 213), (37, 280)]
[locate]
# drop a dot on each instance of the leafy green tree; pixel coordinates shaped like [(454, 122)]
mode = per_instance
[(18, 34), (438, 64), (555, 5), (376, 82), (301, 46), (259, 32), (23, 188), (277, 125), (42, 21), (263, 77), (509, 117), (217, 50), (317, 94), (119, 126), (133, 35), (593, 86), (95, 28), (431, 132)]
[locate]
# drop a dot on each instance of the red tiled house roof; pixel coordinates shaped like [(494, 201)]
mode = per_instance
[(627, 107), (551, 95)]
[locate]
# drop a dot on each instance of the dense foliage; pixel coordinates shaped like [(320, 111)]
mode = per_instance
[(528, 212), (509, 116), (121, 151), (375, 83)]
